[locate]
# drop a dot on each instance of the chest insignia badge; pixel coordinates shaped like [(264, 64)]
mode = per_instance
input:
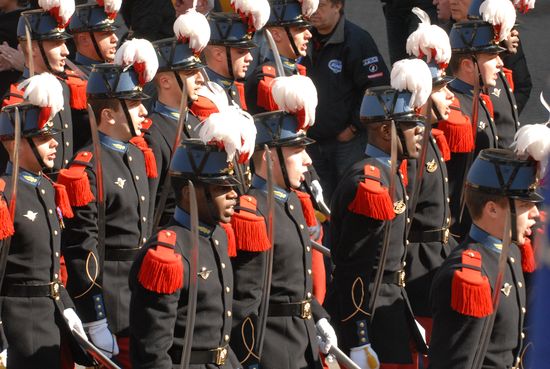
[(120, 182), (204, 273), (496, 92), (431, 166), (31, 215), (506, 289), (482, 124), (399, 207)]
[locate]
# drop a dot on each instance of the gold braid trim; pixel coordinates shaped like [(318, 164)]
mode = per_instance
[(356, 305), (249, 348), (94, 278)]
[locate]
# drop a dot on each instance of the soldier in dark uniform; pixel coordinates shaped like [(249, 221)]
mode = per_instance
[(293, 314), (290, 30), (499, 187), (93, 28), (429, 238), (36, 310), (178, 77), (48, 54), (475, 57), (160, 278), (111, 223), (362, 208)]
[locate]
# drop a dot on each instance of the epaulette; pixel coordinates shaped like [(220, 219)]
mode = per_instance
[(15, 96), (372, 199), (146, 124), (6, 223), (404, 172), (250, 228), (265, 98), (528, 264), (509, 74), (302, 70), (231, 242), (62, 200), (307, 208), (75, 179), (242, 96), (77, 85), (442, 144), (458, 129), (148, 155), (470, 290), (203, 107), (162, 268), (486, 99)]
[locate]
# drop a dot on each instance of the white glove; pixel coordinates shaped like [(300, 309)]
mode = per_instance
[(365, 357), (102, 338), (4, 359), (326, 337), (74, 321)]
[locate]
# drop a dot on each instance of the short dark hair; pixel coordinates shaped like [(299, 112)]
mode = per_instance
[(98, 105), (336, 2), (476, 201), (456, 59)]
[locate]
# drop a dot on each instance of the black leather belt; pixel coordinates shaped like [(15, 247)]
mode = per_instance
[(39, 290), (121, 254), (301, 309), (397, 278), (216, 356), (436, 235)]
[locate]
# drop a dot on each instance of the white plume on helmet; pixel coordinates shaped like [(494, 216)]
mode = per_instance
[(429, 40), (141, 54), (297, 95), (215, 93), (501, 14), (233, 129), (110, 6), (63, 9), (256, 10), (194, 27), (43, 90), (533, 141), (412, 75), (309, 7), (524, 5)]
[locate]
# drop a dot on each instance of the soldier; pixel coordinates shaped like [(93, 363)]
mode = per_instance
[(363, 209), (46, 27), (160, 279), (93, 28), (36, 310), (290, 29), (179, 77), (429, 239), (475, 61), (292, 314), (499, 187), (110, 223)]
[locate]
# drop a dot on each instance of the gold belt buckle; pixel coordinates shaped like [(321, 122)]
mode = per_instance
[(401, 282), (446, 233), (54, 290), (306, 310), (221, 355)]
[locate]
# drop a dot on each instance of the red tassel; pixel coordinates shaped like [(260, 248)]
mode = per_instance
[(203, 108), (372, 199), (78, 91), (458, 131), (240, 90), (231, 243), (404, 172), (528, 264), (307, 208), (162, 269), (146, 125), (442, 144), (488, 104), (509, 77), (148, 155), (302, 70), (15, 96), (62, 200), (265, 98), (250, 229), (75, 180), (471, 291), (6, 223)]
